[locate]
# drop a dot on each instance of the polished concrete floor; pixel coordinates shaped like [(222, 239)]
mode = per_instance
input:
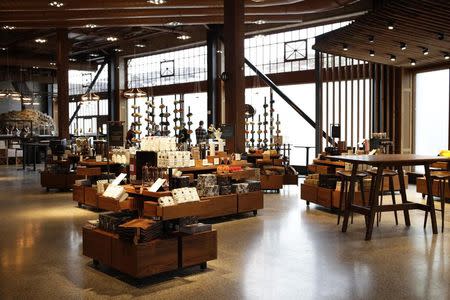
[(288, 251)]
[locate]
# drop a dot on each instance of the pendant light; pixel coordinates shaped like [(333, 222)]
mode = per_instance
[(9, 93), (90, 97), (134, 93)]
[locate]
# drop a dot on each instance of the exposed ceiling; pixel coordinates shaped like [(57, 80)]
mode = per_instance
[(417, 26), (138, 23)]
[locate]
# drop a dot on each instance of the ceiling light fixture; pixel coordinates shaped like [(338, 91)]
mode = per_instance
[(111, 39), (425, 51), (94, 55), (3, 48), (390, 26), (371, 38), (118, 50), (260, 22), (344, 47), (90, 26), (446, 56), (403, 46), (8, 27), (157, 2), (393, 58), (372, 53), (56, 4), (72, 59), (52, 64), (134, 93), (183, 37), (90, 97), (412, 62), (40, 41), (140, 45)]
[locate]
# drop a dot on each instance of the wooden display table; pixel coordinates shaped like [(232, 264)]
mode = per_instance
[(421, 186), (208, 207), (158, 256), (63, 181)]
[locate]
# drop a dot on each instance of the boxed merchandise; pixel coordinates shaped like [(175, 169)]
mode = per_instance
[(211, 191), (185, 195), (239, 188), (223, 180), (253, 185), (166, 201), (110, 221), (195, 228), (206, 180), (225, 189), (140, 230), (179, 182)]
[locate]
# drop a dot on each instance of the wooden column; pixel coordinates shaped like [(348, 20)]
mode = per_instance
[(62, 64), (116, 82), (234, 68), (214, 69)]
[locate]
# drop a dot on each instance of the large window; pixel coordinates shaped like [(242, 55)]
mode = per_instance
[(188, 65), (91, 116), (286, 51), (294, 129), (196, 102), (432, 107), (80, 80)]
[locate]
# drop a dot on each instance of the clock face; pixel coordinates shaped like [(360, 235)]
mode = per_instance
[(296, 50), (167, 68)]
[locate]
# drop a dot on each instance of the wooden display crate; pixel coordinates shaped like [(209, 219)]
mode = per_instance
[(250, 202), (96, 171), (54, 181), (357, 200), (222, 205), (289, 179), (308, 192), (90, 196), (421, 187), (78, 193), (110, 204), (198, 248), (324, 197), (271, 182)]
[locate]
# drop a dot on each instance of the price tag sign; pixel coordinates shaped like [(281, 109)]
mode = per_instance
[(98, 158), (205, 162), (216, 161)]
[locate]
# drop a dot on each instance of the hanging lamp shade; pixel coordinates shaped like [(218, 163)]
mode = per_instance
[(134, 93), (8, 93), (90, 97)]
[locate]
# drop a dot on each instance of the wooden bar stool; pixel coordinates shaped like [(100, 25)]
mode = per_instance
[(442, 177), (390, 174), (345, 180)]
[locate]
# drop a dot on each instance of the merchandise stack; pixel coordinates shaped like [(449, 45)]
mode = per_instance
[(150, 116), (207, 185), (136, 121), (178, 120), (224, 183)]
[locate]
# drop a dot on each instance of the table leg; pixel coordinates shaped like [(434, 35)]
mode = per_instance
[(349, 198), (34, 160), (401, 179), (374, 202), (430, 201)]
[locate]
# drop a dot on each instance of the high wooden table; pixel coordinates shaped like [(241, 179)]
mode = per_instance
[(397, 161)]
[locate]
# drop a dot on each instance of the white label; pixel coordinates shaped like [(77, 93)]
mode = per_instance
[(192, 163), (55, 157), (205, 162), (155, 187), (119, 179), (216, 161), (237, 156), (98, 158)]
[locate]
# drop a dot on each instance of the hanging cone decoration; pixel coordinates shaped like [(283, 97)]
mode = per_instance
[(8, 93), (134, 93)]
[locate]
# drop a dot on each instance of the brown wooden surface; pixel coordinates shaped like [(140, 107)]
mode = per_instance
[(132, 190), (55, 181), (250, 202), (111, 204), (222, 205), (93, 163), (97, 245), (308, 192), (327, 162), (271, 182), (94, 171), (324, 197), (90, 196), (421, 187), (390, 159), (78, 193), (198, 248)]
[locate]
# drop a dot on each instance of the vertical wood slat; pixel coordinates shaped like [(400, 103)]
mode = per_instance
[(346, 100), (364, 100), (370, 97), (327, 95), (352, 103), (358, 101), (333, 79), (339, 96)]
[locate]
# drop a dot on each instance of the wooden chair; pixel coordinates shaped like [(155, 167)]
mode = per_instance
[(345, 177), (390, 174)]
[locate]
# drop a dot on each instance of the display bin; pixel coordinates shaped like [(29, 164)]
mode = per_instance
[(421, 187), (324, 197), (308, 192), (96, 171), (53, 181), (198, 248), (78, 193), (289, 179), (357, 200), (90, 196), (271, 182), (250, 202), (111, 204), (222, 205)]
